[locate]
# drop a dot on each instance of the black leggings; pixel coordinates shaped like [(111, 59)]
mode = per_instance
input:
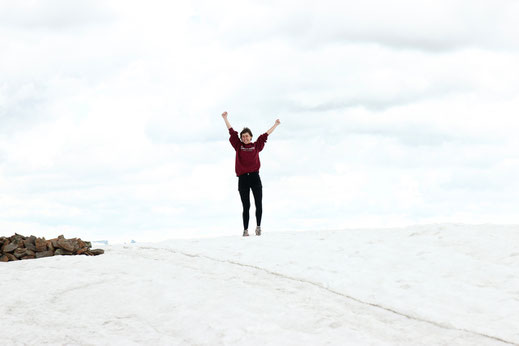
[(247, 182)]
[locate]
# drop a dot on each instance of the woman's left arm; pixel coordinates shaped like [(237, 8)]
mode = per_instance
[(274, 127), (260, 143)]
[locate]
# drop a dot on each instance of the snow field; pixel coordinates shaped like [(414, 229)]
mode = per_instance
[(436, 284)]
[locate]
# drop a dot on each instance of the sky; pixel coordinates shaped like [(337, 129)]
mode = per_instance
[(392, 114)]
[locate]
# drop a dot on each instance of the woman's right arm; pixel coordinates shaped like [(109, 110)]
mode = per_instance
[(224, 115), (234, 139)]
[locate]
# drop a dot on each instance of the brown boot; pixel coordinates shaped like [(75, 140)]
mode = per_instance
[(246, 233)]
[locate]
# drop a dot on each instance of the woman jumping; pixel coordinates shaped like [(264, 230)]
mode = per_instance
[(247, 169)]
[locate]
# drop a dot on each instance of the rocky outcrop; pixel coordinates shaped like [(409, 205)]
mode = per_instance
[(18, 247)]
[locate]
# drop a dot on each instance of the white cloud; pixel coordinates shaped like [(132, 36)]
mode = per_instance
[(426, 25), (110, 114), (53, 14)]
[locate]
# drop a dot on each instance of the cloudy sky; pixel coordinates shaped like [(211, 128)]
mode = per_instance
[(392, 113)]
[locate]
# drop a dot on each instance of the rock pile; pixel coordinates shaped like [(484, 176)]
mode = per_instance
[(18, 247)]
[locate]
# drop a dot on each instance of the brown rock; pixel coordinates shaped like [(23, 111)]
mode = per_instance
[(10, 247), (96, 252), (81, 244), (19, 247), (65, 244), (44, 254), (30, 246), (20, 252), (82, 250), (18, 238), (60, 252), (41, 244), (54, 243), (29, 241), (76, 243)]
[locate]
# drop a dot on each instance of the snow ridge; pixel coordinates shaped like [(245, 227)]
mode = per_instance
[(321, 286)]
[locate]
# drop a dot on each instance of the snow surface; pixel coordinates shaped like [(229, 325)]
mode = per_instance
[(421, 285)]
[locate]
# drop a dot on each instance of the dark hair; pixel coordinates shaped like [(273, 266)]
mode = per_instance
[(245, 130)]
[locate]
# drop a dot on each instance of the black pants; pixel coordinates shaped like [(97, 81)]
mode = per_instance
[(247, 182)]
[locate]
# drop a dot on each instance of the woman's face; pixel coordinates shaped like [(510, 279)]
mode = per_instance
[(246, 138)]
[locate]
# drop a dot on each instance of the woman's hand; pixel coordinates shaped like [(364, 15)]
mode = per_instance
[(224, 115), (274, 127)]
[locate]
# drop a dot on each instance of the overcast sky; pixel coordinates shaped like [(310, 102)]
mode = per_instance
[(392, 113)]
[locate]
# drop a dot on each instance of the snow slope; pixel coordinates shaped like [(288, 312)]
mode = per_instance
[(435, 284)]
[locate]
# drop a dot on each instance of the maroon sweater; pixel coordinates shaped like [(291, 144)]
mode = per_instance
[(247, 155)]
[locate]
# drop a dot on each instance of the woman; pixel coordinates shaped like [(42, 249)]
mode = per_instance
[(247, 169)]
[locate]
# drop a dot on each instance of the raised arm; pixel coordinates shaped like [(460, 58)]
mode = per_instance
[(233, 138), (224, 115), (274, 127)]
